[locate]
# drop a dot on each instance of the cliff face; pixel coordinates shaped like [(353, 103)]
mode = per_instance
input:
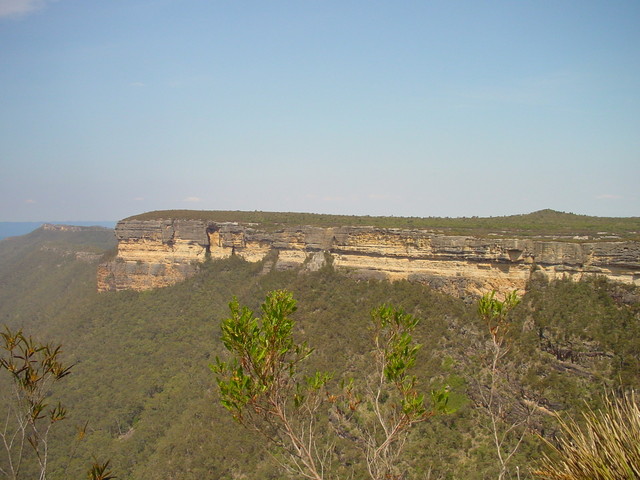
[(157, 253)]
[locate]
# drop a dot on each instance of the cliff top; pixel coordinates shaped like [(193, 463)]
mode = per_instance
[(541, 224)]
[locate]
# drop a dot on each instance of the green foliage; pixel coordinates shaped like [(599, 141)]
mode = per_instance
[(495, 313), (260, 383), (540, 223), (394, 343), (33, 368), (261, 388), (380, 414), (141, 361), (100, 471), (41, 273), (507, 427), (265, 358), (592, 327), (605, 447)]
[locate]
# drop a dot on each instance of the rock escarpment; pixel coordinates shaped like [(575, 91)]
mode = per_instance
[(158, 253)]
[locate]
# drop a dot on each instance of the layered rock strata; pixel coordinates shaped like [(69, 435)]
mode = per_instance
[(158, 253)]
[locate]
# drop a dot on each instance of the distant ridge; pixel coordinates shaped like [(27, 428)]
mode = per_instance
[(14, 229), (545, 222)]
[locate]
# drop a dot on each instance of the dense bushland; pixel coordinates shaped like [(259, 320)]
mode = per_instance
[(141, 375)]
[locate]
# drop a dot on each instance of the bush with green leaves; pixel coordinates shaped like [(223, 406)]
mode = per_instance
[(508, 429), (261, 385), (34, 368), (379, 411), (264, 390)]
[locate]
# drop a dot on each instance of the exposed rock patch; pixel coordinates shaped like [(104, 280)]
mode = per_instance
[(157, 253)]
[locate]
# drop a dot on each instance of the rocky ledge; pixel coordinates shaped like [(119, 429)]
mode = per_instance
[(158, 253)]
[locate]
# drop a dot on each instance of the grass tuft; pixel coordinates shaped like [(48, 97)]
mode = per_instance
[(605, 447)]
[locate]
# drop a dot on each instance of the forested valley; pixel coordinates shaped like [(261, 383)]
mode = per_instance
[(141, 393)]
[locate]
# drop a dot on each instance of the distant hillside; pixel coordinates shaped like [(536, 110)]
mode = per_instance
[(14, 229), (542, 223), (37, 270)]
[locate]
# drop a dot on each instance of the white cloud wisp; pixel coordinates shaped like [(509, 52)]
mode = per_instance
[(17, 8)]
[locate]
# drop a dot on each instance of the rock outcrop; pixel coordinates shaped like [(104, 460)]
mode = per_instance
[(158, 253)]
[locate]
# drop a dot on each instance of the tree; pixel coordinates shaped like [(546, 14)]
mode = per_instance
[(34, 369), (507, 428), (264, 391), (380, 416)]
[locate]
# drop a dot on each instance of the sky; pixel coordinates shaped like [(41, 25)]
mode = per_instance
[(359, 107)]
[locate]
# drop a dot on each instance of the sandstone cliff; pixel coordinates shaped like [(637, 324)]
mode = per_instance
[(157, 253)]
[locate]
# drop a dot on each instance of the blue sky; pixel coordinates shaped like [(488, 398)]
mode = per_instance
[(405, 108)]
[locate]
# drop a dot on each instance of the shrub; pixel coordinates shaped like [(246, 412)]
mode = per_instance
[(605, 447)]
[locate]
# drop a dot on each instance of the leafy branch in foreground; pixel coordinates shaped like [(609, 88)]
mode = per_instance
[(34, 368), (392, 403), (507, 429), (605, 447), (262, 388)]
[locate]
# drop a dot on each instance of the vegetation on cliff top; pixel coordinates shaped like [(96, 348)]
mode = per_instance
[(539, 224)]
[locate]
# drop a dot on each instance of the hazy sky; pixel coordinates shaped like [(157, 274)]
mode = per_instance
[(110, 108)]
